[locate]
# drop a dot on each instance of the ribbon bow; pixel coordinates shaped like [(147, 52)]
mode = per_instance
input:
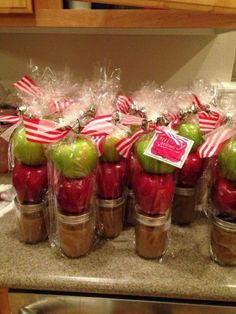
[(37, 130), (208, 121), (123, 104), (98, 128), (215, 141), (124, 146)]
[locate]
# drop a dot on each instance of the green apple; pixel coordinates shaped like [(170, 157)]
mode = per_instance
[(74, 160), (192, 132), (150, 164), (28, 153), (109, 152), (227, 160)]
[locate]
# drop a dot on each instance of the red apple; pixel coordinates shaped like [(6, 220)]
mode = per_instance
[(191, 171), (30, 183), (111, 179), (153, 192), (133, 167), (74, 195), (223, 196)]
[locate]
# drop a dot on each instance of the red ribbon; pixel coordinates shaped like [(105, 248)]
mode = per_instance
[(123, 104), (37, 130), (98, 128), (214, 142), (127, 119), (124, 146)]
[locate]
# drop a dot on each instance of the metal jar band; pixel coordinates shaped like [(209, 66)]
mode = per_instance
[(110, 203), (152, 221), (74, 219), (226, 225), (185, 191), (31, 208)]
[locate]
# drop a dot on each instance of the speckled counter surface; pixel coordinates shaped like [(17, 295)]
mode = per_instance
[(113, 267)]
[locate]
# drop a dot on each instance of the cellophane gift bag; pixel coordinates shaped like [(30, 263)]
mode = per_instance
[(221, 211), (112, 167), (152, 179), (187, 177), (43, 97), (207, 97), (73, 163)]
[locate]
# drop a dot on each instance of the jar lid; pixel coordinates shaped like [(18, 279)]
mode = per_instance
[(31, 208), (110, 203), (184, 191), (226, 225), (153, 221), (74, 219)]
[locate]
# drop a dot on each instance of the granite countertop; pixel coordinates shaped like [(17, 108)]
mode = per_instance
[(114, 268)]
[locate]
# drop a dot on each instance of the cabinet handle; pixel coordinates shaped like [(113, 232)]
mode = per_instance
[(43, 306)]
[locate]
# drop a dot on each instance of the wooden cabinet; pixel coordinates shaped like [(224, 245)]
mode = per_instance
[(16, 6), (4, 301), (50, 13)]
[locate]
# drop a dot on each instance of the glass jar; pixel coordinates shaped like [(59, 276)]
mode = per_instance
[(31, 221), (5, 109), (223, 241), (183, 207), (110, 217), (151, 235), (130, 209), (75, 234)]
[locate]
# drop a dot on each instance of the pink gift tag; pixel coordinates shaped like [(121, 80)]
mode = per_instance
[(169, 147)]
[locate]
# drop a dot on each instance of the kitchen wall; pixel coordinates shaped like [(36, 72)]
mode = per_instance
[(173, 60)]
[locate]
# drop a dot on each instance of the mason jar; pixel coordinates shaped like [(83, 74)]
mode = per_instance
[(223, 241), (151, 235), (110, 216), (75, 234), (31, 221), (183, 207)]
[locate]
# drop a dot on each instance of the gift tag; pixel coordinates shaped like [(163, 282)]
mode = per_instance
[(169, 147)]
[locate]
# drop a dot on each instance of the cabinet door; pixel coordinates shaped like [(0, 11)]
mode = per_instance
[(212, 6), (16, 6)]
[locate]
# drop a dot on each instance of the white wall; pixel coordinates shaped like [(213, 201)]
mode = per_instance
[(172, 59)]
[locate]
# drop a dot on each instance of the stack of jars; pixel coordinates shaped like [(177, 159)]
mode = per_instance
[(187, 178), (222, 211), (153, 187), (74, 162), (29, 178), (111, 179)]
